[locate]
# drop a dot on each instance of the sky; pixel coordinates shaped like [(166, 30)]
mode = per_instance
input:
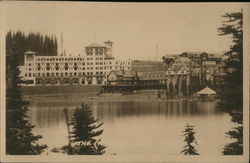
[(144, 31)]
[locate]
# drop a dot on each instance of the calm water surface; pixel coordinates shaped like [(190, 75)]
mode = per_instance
[(139, 128)]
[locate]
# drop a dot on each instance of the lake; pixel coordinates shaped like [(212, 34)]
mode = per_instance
[(139, 127)]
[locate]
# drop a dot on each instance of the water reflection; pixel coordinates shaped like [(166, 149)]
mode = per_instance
[(131, 127), (49, 114)]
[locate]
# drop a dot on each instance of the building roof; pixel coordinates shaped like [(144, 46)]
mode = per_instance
[(108, 41), (125, 73), (193, 54), (184, 59), (152, 75), (30, 52), (172, 56), (95, 45), (206, 91)]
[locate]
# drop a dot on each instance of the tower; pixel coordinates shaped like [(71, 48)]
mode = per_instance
[(108, 45)]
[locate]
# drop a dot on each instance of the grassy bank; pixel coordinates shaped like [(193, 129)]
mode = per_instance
[(66, 89), (69, 94), (86, 94)]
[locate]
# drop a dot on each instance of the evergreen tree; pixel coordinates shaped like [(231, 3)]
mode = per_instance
[(189, 139), (19, 137), (236, 147), (84, 132), (233, 80), (232, 94)]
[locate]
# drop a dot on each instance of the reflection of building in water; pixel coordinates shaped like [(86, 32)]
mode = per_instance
[(110, 110), (88, 69), (46, 114)]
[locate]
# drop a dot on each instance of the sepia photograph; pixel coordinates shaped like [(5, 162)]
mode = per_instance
[(124, 81)]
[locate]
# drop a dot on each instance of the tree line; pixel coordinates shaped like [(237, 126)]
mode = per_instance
[(44, 45)]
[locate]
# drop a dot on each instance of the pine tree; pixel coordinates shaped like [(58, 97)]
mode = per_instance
[(232, 94), (236, 147), (189, 139), (19, 137), (233, 80), (84, 132)]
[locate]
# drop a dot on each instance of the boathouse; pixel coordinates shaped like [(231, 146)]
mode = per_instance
[(206, 94)]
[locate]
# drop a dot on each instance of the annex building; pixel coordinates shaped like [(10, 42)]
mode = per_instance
[(88, 69)]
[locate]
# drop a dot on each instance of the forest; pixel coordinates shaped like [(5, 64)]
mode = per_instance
[(43, 45)]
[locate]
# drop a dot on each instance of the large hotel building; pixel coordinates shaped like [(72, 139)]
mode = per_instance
[(89, 69)]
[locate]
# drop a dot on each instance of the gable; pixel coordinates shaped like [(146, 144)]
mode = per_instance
[(112, 76)]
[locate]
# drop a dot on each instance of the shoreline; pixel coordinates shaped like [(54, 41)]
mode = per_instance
[(84, 97)]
